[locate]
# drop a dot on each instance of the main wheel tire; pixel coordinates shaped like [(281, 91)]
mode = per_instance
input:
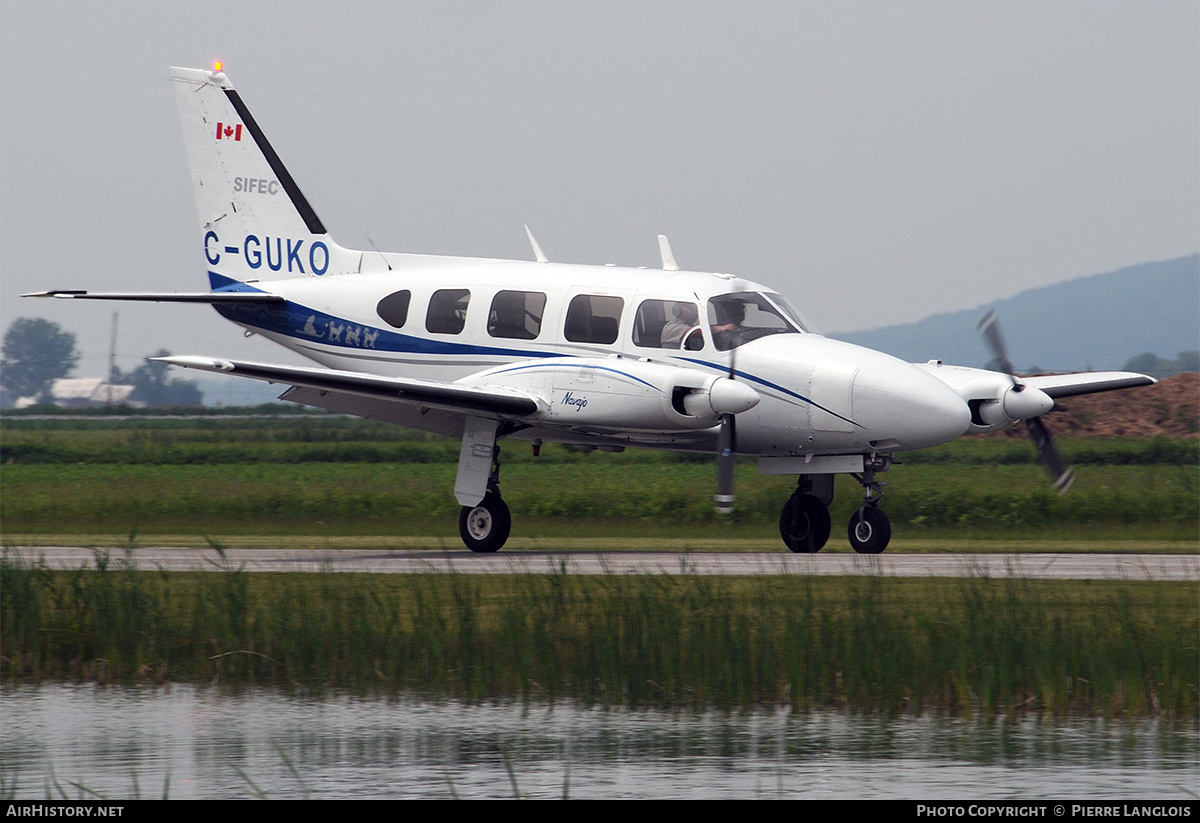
[(804, 523), (485, 527), (871, 534)]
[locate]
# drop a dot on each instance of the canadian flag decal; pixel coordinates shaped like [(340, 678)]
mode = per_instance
[(225, 132)]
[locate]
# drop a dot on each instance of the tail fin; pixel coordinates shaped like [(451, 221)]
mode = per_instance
[(255, 222)]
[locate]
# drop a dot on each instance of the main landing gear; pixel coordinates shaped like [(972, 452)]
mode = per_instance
[(805, 524), (484, 527)]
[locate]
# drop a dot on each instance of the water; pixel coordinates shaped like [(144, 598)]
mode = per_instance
[(192, 742)]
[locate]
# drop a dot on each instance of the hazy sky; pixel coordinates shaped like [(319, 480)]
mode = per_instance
[(876, 162)]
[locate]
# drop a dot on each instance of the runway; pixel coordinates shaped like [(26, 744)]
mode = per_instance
[(1156, 567)]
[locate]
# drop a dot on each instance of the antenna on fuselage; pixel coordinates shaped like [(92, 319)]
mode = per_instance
[(668, 258), (537, 250), (377, 251)]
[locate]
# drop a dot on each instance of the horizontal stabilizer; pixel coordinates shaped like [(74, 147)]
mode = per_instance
[(1070, 385), (450, 396), (254, 297)]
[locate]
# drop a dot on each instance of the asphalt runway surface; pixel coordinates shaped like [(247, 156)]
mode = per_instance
[(1160, 567)]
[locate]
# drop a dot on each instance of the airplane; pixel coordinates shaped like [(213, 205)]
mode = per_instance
[(596, 357)]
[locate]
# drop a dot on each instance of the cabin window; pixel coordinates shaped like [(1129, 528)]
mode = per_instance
[(668, 324), (447, 311), (516, 315), (592, 318), (394, 308)]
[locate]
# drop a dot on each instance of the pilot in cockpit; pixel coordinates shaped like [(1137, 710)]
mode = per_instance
[(731, 314)]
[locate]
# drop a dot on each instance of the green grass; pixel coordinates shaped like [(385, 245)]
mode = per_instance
[(602, 497), (963, 645), (327, 438), (334, 476)]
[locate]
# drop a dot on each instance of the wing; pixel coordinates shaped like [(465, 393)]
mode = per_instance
[(1070, 385), (488, 401), (562, 398), (223, 297)]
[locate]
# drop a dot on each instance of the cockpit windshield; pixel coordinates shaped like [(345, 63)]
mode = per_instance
[(801, 322), (740, 317)]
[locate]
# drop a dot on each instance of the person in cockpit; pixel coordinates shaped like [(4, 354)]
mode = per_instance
[(731, 314), (675, 331)]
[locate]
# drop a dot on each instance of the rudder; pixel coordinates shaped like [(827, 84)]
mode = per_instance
[(255, 222)]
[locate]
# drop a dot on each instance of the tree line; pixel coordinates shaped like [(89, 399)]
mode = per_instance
[(37, 352)]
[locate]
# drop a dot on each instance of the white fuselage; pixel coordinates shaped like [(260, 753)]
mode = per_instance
[(817, 396)]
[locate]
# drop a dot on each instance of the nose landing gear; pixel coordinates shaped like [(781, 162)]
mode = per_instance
[(870, 530)]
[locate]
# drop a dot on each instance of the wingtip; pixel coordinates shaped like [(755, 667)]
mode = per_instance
[(188, 361), (61, 294)]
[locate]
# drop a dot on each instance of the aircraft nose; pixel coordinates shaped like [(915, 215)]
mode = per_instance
[(904, 407)]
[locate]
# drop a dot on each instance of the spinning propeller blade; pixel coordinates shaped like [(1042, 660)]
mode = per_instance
[(727, 453), (726, 461), (1062, 475), (989, 327)]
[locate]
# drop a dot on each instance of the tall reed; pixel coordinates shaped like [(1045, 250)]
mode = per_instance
[(972, 644)]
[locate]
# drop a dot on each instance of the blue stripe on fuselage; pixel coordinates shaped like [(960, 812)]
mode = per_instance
[(310, 325)]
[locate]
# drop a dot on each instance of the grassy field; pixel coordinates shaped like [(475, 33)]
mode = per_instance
[(335, 477), (962, 645)]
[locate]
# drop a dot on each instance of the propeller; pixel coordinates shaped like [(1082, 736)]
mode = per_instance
[(728, 397), (1023, 402), (726, 453), (726, 462)]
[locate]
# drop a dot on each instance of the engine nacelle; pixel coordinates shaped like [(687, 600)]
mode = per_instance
[(620, 393), (995, 401)]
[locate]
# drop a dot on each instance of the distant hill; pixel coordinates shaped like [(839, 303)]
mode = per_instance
[(1096, 322)]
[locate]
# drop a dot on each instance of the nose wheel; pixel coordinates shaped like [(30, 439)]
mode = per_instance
[(870, 530), (485, 527)]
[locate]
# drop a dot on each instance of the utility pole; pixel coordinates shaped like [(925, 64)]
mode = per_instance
[(112, 361)]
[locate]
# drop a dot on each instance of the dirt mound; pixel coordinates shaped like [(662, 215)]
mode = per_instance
[(1170, 407)]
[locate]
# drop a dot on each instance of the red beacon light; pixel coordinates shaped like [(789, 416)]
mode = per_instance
[(218, 76)]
